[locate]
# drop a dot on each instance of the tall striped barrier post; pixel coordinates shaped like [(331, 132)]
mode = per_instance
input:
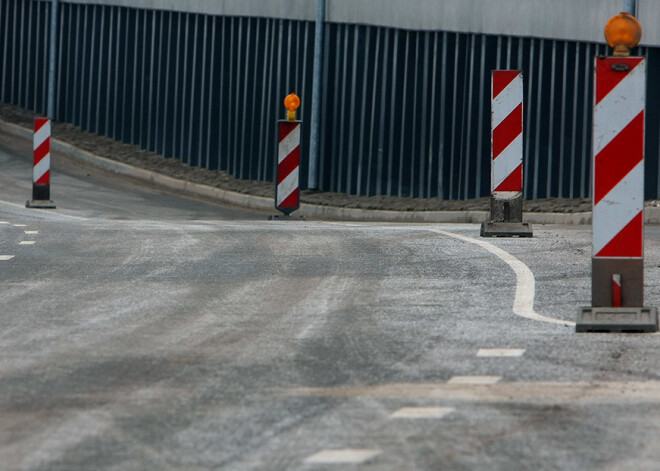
[(41, 168), (617, 292), (506, 157), (287, 173)]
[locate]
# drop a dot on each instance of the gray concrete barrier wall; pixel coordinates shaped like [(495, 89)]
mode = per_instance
[(576, 20)]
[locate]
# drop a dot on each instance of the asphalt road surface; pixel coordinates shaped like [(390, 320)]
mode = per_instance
[(141, 330)]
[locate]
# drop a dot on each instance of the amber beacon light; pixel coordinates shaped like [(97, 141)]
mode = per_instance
[(623, 32), (291, 103)]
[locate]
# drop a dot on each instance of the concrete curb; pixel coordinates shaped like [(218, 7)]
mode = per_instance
[(310, 211)]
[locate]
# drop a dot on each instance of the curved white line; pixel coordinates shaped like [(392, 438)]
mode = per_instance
[(523, 303)]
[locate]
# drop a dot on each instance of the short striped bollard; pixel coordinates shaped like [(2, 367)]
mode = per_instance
[(287, 174), (287, 191), (41, 167), (507, 157)]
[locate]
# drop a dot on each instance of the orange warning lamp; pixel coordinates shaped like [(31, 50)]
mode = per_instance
[(292, 103), (623, 32)]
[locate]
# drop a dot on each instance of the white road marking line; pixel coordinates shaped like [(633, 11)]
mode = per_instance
[(523, 303), (45, 211), (4, 222), (500, 352), (20, 225), (6, 257), (342, 456), (31, 232), (422, 413), (26, 242), (474, 380)]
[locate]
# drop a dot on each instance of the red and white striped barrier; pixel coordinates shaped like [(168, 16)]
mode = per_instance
[(618, 158), (617, 264), (41, 168), (507, 129), (287, 190), (506, 166)]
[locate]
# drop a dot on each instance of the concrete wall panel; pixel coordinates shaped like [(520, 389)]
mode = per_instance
[(579, 20)]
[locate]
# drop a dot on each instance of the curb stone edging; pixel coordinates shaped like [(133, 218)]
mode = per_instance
[(311, 211)]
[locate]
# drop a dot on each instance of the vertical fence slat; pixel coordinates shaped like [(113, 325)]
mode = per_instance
[(380, 171), (405, 111), (443, 102), (562, 124), (351, 115), (404, 105), (4, 9), (370, 120)]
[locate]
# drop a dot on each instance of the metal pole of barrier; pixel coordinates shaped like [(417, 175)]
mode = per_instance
[(630, 6), (52, 59), (315, 131)]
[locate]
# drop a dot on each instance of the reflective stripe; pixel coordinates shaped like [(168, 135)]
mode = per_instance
[(288, 186), (619, 107), (507, 162), (288, 144), (40, 169), (618, 208), (507, 101), (41, 135)]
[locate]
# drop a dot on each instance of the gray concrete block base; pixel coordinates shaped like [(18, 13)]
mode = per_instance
[(617, 320), (506, 206), (632, 281), (506, 229), (285, 217), (40, 204)]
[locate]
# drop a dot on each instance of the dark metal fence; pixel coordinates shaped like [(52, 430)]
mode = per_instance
[(404, 113)]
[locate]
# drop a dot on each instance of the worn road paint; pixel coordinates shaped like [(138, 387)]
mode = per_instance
[(533, 392), (500, 352), (26, 242), (342, 456), (422, 413), (6, 257), (474, 380), (523, 303)]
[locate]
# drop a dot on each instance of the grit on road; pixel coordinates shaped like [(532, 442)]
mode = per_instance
[(143, 330)]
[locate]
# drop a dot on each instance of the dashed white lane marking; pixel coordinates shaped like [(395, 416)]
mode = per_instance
[(6, 257), (26, 242), (342, 456), (523, 303), (4, 222), (20, 225), (474, 380), (31, 232), (422, 413), (500, 352)]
